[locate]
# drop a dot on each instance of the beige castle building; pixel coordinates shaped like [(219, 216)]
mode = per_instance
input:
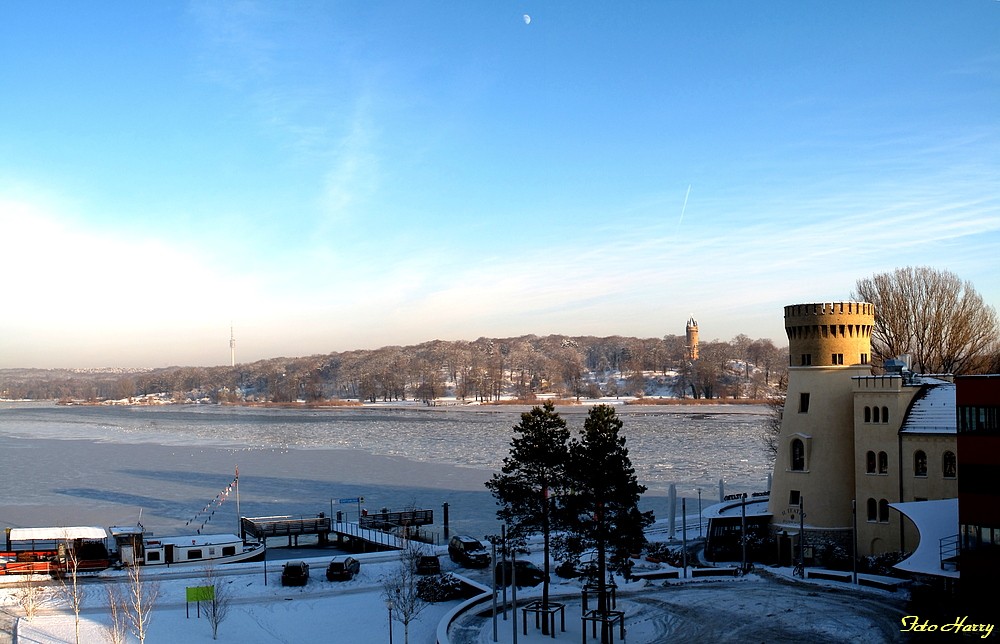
[(848, 435)]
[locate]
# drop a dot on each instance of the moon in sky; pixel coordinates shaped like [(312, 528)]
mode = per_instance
[(527, 19)]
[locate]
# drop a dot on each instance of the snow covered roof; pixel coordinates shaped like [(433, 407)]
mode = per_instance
[(933, 409), (198, 540), (57, 534), (935, 520), (732, 508)]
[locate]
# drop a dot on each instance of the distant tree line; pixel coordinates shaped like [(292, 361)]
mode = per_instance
[(931, 315), (485, 370)]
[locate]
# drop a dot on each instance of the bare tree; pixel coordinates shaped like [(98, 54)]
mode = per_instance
[(70, 587), (142, 596), (932, 315), (117, 627), (218, 605), (29, 594), (400, 590), (772, 424)]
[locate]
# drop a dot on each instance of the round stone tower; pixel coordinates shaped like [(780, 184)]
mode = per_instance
[(692, 338), (826, 335), (828, 344)]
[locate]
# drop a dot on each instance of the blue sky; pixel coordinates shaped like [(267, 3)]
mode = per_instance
[(336, 175)]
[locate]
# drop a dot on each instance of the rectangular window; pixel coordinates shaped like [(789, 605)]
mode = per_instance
[(228, 551), (972, 419), (793, 498), (803, 403), (807, 359), (152, 556), (194, 554), (837, 358), (864, 358)]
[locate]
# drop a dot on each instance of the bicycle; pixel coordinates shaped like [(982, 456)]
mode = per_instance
[(799, 571)]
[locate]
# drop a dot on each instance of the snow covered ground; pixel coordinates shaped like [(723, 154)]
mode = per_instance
[(768, 606), (349, 611)]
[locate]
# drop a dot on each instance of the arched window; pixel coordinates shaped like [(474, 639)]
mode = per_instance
[(885, 414), (872, 510), (883, 463), (948, 465), (870, 463), (875, 415), (883, 511), (868, 414), (919, 463), (798, 455)]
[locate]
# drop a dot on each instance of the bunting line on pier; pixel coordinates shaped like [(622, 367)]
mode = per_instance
[(207, 512)]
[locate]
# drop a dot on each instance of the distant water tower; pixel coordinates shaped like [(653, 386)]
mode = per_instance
[(692, 339), (232, 347)]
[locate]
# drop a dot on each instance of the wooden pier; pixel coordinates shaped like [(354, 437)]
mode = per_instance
[(363, 538)]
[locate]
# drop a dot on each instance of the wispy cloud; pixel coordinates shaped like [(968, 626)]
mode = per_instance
[(354, 172)]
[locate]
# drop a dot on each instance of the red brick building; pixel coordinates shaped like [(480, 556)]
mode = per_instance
[(977, 399)]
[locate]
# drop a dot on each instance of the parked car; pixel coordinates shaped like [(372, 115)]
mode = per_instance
[(528, 574), (468, 551), (343, 569), (295, 573), (428, 565)]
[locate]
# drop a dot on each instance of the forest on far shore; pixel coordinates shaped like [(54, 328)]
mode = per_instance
[(484, 370)]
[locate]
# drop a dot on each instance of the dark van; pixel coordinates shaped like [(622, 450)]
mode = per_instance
[(295, 573), (468, 551)]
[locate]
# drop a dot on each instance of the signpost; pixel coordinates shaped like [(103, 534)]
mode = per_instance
[(354, 499), (198, 594)]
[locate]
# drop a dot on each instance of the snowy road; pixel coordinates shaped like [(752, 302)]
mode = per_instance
[(754, 609)]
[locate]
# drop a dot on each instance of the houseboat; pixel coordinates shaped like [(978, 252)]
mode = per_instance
[(132, 547), (49, 550), (56, 550)]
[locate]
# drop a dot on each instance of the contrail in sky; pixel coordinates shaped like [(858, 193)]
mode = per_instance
[(684, 207)]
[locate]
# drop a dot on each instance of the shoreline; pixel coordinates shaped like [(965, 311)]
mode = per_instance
[(627, 405)]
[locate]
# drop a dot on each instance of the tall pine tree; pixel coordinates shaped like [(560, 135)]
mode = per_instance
[(532, 478), (602, 511)]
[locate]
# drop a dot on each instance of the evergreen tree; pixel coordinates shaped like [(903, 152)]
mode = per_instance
[(602, 512), (531, 479)]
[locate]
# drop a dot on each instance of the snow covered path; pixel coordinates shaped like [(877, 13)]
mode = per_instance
[(752, 609)]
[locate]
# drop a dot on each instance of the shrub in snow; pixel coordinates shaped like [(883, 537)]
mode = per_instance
[(666, 554), (440, 588)]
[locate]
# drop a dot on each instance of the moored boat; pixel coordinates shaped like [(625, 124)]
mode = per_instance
[(57, 550), (49, 550), (133, 547)]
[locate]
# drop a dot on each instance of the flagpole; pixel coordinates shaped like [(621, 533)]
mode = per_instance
[(238, 499)]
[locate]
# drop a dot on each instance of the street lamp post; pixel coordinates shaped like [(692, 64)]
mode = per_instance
[(854, 541), (388, 605), (802, 534), (699, 513), (743, 530)]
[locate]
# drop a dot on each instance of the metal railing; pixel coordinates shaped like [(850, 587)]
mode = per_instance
[(949, 549)]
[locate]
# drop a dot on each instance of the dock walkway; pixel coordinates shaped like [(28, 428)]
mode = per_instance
[(364, 538)]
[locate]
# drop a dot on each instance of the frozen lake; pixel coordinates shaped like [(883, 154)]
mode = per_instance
[(103, 465)]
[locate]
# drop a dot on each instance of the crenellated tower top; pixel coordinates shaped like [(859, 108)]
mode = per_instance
[(829, 333)]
